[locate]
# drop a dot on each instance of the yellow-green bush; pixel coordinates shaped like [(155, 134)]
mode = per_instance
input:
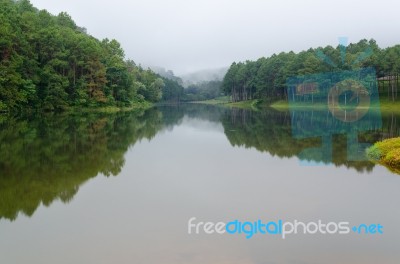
[(386, 152)]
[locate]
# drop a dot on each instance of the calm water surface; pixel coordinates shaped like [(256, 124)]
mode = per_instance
[(120, 188)]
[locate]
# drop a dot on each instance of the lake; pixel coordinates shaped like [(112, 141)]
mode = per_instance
[(121, 188)]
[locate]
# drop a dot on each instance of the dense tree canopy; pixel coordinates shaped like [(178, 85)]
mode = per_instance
[(266, 78), (172, 90), (48, 62)]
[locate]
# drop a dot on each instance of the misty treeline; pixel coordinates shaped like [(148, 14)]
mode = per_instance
[(205, 90), (266, 78), (199, 86), (48, 62), (174, 92)]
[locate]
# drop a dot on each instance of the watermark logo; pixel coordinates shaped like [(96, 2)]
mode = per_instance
[(360, 100), (280, 228), (344, 102)]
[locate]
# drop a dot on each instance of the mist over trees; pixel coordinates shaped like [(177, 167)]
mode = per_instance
[(167, 74), (203, 91), (203, 76), (47, 62), (265, 78), (173, 89), (177, 90)]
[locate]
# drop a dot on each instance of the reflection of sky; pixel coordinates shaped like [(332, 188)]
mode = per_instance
[(141, 215)]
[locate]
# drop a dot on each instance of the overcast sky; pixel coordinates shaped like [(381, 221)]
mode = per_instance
[(190, 35)]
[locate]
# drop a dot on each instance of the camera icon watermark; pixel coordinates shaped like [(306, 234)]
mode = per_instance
[(338, 102)]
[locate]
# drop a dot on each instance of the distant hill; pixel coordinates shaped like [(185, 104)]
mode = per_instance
[(169, 74), (204, 76), (193, 78)]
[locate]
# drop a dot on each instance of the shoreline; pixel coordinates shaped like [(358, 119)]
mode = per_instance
[(75, 109), (281, 105), (386, 153)]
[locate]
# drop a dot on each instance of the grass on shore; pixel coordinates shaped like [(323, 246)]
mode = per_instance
[(387, 153), (94, 109), (225, 101), (284, 105), (249, 104), (112, 109), (214, 101), (385, 105)]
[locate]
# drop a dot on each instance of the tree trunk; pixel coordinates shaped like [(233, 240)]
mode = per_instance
[(392, 85)]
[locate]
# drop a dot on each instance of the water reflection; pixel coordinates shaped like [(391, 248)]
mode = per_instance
[(46, 158), (314, 136)]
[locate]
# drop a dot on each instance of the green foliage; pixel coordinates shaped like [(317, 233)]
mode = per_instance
[(382, 148), (47, 62), (266, 78), (154, 92), (172, 90), (386, 152)]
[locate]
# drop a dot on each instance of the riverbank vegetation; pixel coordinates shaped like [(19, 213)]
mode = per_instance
[(49, 63), (265, 79), (387, 153)]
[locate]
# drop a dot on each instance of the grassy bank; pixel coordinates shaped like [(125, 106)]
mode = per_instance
[(94, 109), (386, 153), (112, 109), (384, 105), (249, 104), (387, 105), (284, 105), (214, 101), (225, 101)]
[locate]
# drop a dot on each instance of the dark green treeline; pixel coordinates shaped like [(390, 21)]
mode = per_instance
[(266, 78), (48, 62)]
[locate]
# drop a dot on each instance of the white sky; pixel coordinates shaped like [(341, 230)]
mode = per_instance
[(190, 35)]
